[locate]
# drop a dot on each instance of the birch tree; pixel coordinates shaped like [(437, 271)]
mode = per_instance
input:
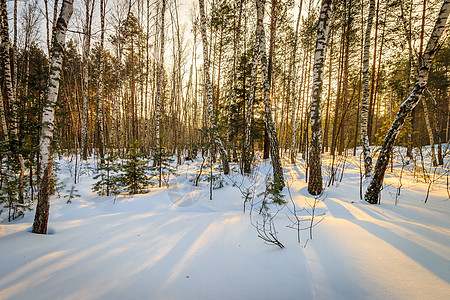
[(246, 151), (159, 92), (48, 119), (100, 79), (293, 152), (10, 77), (270, 127), (424, 103), (365, 98), (209, 91), (315, 160), (86, 51), (5, 51), (373, 190)]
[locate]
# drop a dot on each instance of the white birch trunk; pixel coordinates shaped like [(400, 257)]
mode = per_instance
[(408, 105), (86, 48), (159, 91), (4, 39), (365, 98), (209, 91), (430, 131), (48, 119), (270, 127), (246, 152), (100, 79), (293, 75), (11, 90), (315, 160)]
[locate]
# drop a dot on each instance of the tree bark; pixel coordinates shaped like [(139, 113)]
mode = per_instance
[(372, 82), (5, 51), (347, 30), (270, 127), (292, 79), (246, 152), (48, 120), (407, 106), (209, 91), (160, 92), (86, 50), (100, 81), (315, 160), (430, 131), (273, 21), (365, 99)]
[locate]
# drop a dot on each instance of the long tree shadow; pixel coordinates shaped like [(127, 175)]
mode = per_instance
[(433, 261)]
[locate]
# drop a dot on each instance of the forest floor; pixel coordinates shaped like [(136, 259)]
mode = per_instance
[(176, 243)]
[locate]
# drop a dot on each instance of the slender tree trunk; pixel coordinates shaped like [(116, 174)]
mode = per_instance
[(365, 99), (409, 82), (270, 127), (159, 91), (236, 53), (273, 21), (372, 82), (327, 112), (338, 105), (358, 123), (292, 79), (424, 103), (209, 91), (7, 76), (100, 81), (47, 23), (246, 151), (4, 50), (86, 51), (347, 30), (430, 131), (407, 106), (315, 160), (48, 119)]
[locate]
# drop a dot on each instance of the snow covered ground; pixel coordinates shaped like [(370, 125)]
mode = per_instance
[(177, 244)]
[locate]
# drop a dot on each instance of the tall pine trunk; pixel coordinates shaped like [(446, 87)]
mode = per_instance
[(48, 119), (315, 160), (408, 105)]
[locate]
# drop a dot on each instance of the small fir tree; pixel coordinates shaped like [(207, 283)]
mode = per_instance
[(108, 178), (162, 164), (135, 178)]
